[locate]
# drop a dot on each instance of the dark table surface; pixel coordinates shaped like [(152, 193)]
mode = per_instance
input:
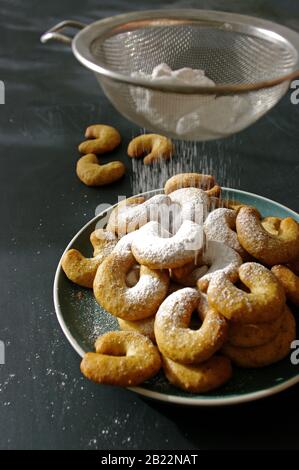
[(50, 99)]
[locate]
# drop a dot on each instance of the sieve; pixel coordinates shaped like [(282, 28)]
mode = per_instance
[(252, 62)]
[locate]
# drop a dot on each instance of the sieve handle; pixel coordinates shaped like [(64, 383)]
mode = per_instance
[(54, 33)]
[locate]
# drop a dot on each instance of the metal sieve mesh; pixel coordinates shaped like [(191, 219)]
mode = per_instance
[(227, 57), (233, 50)]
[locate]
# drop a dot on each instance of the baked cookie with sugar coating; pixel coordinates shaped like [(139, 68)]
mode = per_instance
[(122, 207), (267, 247), (189, 180), (220, 226), (114, 295), (176, 340), (156, 248), (216, 257), (219, 258), (136, 212), (263, 303)]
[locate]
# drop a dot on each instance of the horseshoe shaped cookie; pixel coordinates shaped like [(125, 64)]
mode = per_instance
[(129, 303), (91, 173), (82, 270), (157, 147), (265, 246), (122, 358), (102, 139), (264, 302), (266, 354), (176, 340)]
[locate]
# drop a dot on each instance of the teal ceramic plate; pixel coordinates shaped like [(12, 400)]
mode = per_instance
[(82, 320)]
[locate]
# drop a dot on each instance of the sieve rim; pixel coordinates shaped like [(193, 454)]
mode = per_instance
[(231, 22)]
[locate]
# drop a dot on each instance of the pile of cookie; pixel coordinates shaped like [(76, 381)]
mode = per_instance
[(196, 282)]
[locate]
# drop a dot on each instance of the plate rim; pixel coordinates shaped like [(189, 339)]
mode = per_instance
[(174, 399)]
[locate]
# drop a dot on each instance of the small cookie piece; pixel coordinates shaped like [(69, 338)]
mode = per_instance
[(214, 192), (157, 147), (198, 378), (122, 358), (103, 139), (290, 282), (264, 302), (268, 248), (269, 353), (91, 173)]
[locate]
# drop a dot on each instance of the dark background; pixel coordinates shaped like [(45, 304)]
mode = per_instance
[(50, 99)]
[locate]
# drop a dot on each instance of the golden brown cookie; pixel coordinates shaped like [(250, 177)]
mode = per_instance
[(271, 224), (155, 147), (264, 302), (189, 180), (248, 335), (91, 173), (102, 139), (268, 248), (144, 327), (198, 378), (129, 303), (290, 282), (82, 270), (175, 338), (269, 353), (123, 358)]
